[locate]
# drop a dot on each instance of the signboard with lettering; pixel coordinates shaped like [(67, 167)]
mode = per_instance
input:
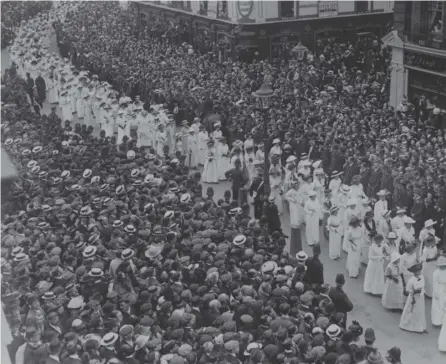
[(328, 8), (245, 8)]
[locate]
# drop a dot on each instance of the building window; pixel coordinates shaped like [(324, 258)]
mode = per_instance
[(435, 17), (362, 6), (286, 9), (203, 7), (222, 10)]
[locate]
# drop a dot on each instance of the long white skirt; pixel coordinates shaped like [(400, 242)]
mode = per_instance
[(428, 273), (353, 261), (312, 230), (374, 277), (334, 245), (413, 317), (393, 296), (442, 337), (224, 165), (210, 172)]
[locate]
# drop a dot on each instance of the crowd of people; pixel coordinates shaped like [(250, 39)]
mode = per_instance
[(113, 253), (13, 13)]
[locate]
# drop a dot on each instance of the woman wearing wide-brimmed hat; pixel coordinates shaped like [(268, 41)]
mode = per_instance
[(393, 296), (413, 317), (354, 240)]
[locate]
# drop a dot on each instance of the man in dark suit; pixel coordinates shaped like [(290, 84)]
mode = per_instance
[(238, 179), (351, 169), (257, 191), (339, 298), (315, 268), (54, 349)]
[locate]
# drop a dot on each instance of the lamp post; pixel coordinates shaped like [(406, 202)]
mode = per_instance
[(299, 52), (263, 94)]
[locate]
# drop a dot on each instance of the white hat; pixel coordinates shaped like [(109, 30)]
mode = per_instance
[(169, 214), (109, 339), (336, 174), (89, 251), (291, 158), (333, 331), (382, 193), (276, 141), (87, 173), (131, 154), (312, 193), (301, 256), (345, 188), (429, 223), (408, 220), (185, 198), (306, 163), (317, 164), (239, 240), (318, 171), (394, 256), (392, 235), (401, 211)]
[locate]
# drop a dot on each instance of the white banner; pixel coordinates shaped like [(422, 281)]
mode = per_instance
[(328, 8)]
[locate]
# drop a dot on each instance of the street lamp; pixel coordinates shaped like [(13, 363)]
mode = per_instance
[(263, 94), (299, 52)]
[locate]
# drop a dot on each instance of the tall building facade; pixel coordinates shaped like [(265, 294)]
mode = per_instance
[(418, 44), (264, 27)]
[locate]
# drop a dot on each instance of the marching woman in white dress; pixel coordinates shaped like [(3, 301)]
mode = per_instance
[(369, 232), (354, 237), (161, 139), (438, 311), (313, 212), (237, 154), (393, 296), (210, 171), (202, 144), (335, 185), (413, 317), (348, 213), (224, 163), (276, 187), (52, 93), (335, 233), (429, 255), (192, 144), (407, 260), (381, 206), (178, 143), (65, 104), (374, 273)]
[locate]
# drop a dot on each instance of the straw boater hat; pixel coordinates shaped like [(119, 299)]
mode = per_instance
[(239, 240), (301, 256), (336, 174), (382, 193), (392, 235), (333, 331), (429, 223)]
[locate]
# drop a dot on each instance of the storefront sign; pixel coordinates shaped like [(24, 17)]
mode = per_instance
[(328, 8), (425, 61), (245, 8)]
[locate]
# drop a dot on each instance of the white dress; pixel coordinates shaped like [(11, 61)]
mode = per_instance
[(439, 297), (413, 317), (224, 163), (334, 186), (348, 213), (374, 273), (65, 103), (429, 265), (406, 261), (442, 337), (335, 232), (276, 188), (210, 171), (202, 140), (313, 211), (292, 196), (52, 93), (393, 296), (354, 241)]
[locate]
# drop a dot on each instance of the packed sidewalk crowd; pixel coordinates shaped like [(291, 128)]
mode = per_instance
[(13, 13), (110, 252)]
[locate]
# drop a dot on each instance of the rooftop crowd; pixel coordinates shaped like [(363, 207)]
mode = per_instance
[(112, 255)]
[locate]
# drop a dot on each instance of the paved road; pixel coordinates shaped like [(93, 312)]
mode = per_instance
[(416, 348)]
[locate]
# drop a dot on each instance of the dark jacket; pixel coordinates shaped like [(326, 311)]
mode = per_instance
[(340, 300), (315, 271), (237, 177)]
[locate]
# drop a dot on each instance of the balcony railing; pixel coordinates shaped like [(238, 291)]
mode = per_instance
[(431, 40)]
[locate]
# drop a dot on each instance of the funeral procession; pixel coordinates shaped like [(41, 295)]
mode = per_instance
[(223, 182)]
